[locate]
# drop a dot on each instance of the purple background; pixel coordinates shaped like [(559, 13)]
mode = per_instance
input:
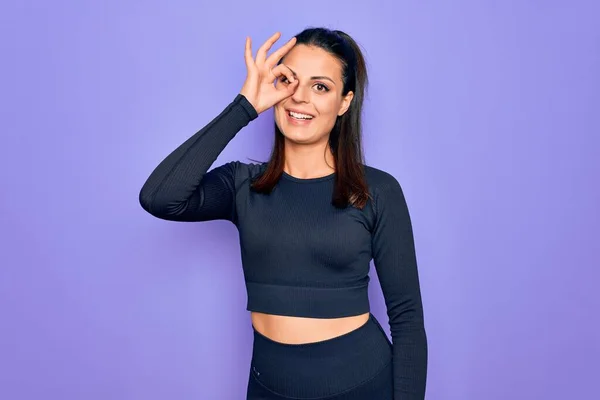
[(487, 112)]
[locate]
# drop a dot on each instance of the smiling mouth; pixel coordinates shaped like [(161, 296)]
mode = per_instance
[(299, 116)]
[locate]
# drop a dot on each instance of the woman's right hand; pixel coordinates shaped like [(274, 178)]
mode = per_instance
[(259, 88)]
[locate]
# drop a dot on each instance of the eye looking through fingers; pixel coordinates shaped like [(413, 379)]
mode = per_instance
[(284, 74)]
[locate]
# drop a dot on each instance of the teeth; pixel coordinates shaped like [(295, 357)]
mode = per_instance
[(300, 116)]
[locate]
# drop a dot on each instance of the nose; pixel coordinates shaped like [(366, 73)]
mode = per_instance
[(301, 94)]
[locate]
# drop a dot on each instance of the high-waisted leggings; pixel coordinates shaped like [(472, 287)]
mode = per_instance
[(354, 366)]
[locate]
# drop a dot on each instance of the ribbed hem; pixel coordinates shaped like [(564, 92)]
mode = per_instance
[(311, 302)]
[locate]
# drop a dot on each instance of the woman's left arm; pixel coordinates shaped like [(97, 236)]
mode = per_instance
[(395, 261)]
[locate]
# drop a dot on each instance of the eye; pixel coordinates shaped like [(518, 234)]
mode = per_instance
[(321, 87)]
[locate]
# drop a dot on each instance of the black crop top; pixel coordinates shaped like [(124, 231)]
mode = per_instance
[(302, 256)]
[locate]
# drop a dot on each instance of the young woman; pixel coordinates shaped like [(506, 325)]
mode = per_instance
[(310, 220)]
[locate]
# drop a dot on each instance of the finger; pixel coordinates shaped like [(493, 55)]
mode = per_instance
[(261, 55), (291, 88), (283, 70), (248, 53), (278, 55), (287, 91)]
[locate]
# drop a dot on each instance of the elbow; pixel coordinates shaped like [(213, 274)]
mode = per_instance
[(145, 200), (407, 317), (149, 203), (409, 331), (408, 323), (161, 208)]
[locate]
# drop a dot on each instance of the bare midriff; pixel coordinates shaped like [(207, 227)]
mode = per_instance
[(299, 330)]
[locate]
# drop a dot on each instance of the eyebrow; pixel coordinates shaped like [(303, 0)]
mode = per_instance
[(314, 77)]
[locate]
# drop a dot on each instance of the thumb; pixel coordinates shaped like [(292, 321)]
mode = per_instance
[(291, 88)]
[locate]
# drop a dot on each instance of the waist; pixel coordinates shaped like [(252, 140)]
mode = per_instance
[(302, 330), (308, 301)]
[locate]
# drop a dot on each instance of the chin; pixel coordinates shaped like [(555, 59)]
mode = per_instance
[(296, 135)]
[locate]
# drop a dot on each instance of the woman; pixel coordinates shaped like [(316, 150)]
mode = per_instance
[(310, 220)]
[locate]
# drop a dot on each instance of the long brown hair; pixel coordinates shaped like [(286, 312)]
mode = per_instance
[(345, 139)]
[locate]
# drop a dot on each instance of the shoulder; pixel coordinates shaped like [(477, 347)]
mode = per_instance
[(380, 181), (385, 189), (247, 170)]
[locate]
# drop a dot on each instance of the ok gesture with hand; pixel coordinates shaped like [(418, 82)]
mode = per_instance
[(259, 88)]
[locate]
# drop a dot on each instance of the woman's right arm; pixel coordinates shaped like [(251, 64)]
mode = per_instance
[(181, 189)]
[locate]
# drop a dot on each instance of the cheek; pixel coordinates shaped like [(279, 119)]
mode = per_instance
[(327, 106), (327, 116), (279, 116), (278, 112)]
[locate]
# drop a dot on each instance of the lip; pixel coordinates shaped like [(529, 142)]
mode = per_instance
[(297, 122), (287, 110)]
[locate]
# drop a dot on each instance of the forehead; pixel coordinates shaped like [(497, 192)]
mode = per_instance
[(313, 61)]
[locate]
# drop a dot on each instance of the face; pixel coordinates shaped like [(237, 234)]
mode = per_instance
[(310, 113)]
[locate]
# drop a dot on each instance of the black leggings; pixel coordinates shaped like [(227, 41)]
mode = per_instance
[(354, 366)]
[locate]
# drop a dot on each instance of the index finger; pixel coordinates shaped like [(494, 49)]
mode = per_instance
[(282, 51), (261, 54), (248, 52)]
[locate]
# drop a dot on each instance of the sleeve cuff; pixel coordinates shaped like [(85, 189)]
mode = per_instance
[(249, 108)]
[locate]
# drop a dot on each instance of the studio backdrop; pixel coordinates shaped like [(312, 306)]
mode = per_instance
[(487, 113)]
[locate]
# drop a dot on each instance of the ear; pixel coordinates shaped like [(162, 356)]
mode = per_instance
[(346, 103)]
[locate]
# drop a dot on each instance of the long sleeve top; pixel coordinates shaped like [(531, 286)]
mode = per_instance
[(301, 256)]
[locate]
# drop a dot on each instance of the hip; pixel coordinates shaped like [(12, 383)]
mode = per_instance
[(355, 365)]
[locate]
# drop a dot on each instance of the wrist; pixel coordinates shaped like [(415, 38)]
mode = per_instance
[(248, 106), (251, 101)]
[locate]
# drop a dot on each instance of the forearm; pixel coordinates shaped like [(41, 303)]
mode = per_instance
[(177, 178)]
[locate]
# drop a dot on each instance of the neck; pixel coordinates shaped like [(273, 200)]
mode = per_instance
[(309, 160)]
